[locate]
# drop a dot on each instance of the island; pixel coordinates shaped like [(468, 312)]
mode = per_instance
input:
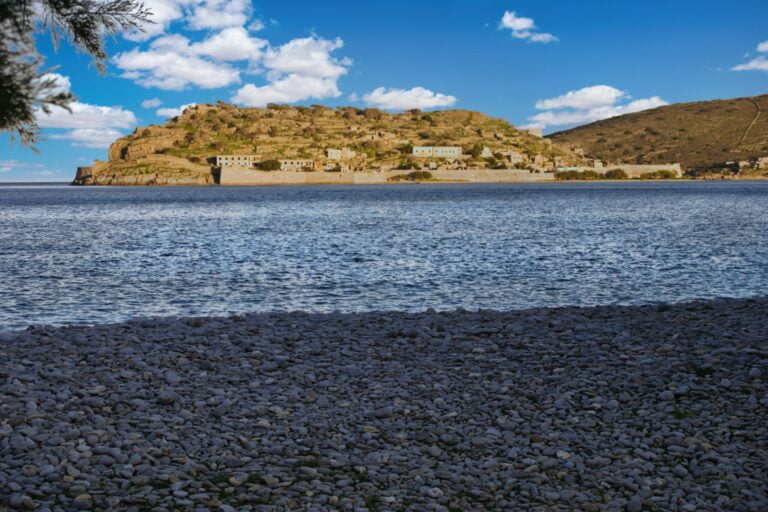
[(222, 144)]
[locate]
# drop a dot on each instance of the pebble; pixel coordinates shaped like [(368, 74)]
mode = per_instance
[(667, 395), (635, 504), (598, 409)]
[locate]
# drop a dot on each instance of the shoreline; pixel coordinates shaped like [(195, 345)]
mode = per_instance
[(608, 408), (422, 182)]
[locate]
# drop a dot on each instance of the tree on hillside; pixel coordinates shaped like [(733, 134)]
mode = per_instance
[(23, 85)]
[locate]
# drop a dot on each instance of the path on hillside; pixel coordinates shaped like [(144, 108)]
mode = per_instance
[(754, 120)]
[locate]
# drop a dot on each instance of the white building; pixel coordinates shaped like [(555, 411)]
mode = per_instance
[(437, 151), (486, 152), (236, 160), (297, 165)]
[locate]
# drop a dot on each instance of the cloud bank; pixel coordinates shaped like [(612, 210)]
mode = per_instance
[(92, 126), (218, 49), (587, 105), (300, 69)]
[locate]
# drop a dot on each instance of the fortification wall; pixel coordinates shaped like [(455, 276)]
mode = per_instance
[(243, 176)]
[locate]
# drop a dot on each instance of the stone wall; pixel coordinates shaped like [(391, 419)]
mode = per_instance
[(242, 176)]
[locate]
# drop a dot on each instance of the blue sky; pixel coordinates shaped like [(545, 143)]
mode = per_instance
[(552, 63)]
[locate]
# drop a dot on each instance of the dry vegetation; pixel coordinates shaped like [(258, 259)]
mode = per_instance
[(281, 132), (701, 135)]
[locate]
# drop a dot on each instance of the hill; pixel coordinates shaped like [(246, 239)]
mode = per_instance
[(183, 150), (701, 135)]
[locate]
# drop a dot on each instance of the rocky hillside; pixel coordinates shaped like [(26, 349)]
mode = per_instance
[(701, 136), (183, 150)]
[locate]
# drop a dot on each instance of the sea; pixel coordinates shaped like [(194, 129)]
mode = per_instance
[(86, 255)]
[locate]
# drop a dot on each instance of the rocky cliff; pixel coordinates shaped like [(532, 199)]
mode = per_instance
[(182, 152)]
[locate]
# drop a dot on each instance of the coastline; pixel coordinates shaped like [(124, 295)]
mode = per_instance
[(600, 408)]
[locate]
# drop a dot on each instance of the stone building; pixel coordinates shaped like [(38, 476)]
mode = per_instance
[(297, 165), (535, 131), (762, 162), (541, 162), (437, 151), (236, 160), (513, 157), (340, 154)]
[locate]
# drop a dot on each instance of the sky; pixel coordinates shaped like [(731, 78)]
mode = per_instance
[(552, 64)]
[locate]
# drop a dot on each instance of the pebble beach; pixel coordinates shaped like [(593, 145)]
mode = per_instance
[(632, 408)]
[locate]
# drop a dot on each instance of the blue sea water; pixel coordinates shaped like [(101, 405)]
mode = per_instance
[(91, 255)]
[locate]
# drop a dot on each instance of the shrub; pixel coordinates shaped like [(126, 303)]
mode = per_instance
[(591, 175), (567, 175), (372, 113), (663, 174), (269, 165), (413, 176), (666, 174), (407, 165), (616, 174), (476, 150), (577, 175)]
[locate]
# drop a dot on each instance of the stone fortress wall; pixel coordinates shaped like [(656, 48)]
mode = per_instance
[(245, 176)]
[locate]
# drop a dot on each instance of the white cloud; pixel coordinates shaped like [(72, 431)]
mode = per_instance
[(61, 83), (231, 44), (172, 63), (152, 103), (29, 169), (88, 125), (85, 115), (220, 14), (759, 63), (198, 14), (524, 28), (164, 12), (173, 112), (403, 99), (300, 69), (586, 98), (256, 25), (588, 105), (166, 68), (309, 56), (288, 89), (90, 137), (353, 97)]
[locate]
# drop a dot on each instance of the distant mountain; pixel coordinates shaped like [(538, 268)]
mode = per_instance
[(701, 135), (183, 150)]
